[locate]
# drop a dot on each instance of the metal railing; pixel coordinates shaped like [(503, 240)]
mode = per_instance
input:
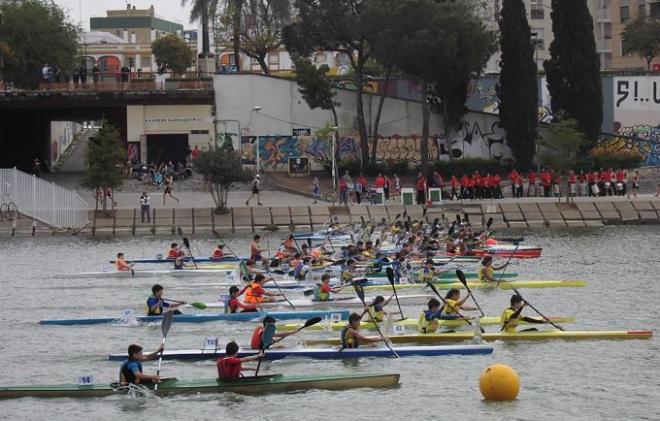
[(42, 200)]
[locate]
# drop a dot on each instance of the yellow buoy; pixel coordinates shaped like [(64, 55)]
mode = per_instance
[(499, 382)]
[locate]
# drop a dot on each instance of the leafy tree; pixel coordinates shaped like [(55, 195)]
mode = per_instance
[(172, 53), (315, 86), (221, 165), (643, 37), (573, 71), (203, 10), (37, 32), (335, 25), (561, 146), (105, 158), (517, 90)]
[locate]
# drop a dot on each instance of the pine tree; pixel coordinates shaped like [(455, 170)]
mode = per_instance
[(574, 68), (517, 90)]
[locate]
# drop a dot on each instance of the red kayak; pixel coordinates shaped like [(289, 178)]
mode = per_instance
[(521, 252)]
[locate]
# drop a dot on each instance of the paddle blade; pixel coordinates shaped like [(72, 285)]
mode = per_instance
[(308, 292), (179, 231), (312, 321), (360, 292), (390, 275), (458, 219), (267, 335), (309, 243), (489, 223), (467, 219), (200, 306), (168, 318), (186, 242), (433, 288), (398, 215)]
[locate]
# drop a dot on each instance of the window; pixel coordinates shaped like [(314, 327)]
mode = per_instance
[(642, 11), (273, 58), (537, 12), (624, 12), (538, 38), (607, 30), (655, 10)]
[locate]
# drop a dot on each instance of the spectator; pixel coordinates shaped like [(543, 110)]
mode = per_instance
[(546, 182), (635, 185), (316, 189), (256, 189), (195, 152), (420, 187), (83, 74), (343, 191), (386, 188), (45, 72), (396, 186), (572, 183), (169, 180), (531, 184), (36, 167), (453, 182), (145, 206), (96, 72)]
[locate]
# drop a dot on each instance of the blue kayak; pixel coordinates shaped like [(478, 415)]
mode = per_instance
[(325, 353), (201, 318), (226, 259)]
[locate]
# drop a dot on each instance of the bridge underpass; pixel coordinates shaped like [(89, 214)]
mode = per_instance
[(25, 117)]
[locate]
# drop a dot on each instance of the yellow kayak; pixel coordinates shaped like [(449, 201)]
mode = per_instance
[(434, 338), (504, 285), (216, 266), (408, 323)]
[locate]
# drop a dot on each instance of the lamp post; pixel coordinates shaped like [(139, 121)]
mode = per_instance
[(256, 121), (334, 156)]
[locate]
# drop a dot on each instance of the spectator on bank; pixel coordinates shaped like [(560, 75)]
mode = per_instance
[(145, 206), (316, 189), (36, 167), (420, 187), (396, 186), (635, 185), (83, 74), (256, 189), (546, 182), (343, 191), (572, 183), (96, 72), (45, 73), (386, 187)]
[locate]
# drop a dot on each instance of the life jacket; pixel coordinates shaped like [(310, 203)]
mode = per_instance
[(426, 326), (511, 323), (451, 308), (426, 275), (485, 270), (172, 254), (126, 373), (229, 368), (255, 343), (122, 266), (377, 312), (218, 254), (319, 294), (300, 271), (157, 312), (348, 342), (346, 275), (252, 296)]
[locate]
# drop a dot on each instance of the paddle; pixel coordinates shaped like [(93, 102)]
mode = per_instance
[(536, 310), (308, 323), (506, 266), (461, 277), (200, 306), (266, 341), (390, 277), (278, 287), (435, 290), (164, 327), (360, 293), (187, 244)]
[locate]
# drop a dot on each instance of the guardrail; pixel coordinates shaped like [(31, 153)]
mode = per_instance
[(42, 200)]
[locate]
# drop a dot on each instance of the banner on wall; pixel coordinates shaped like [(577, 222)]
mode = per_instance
[(637, 100)]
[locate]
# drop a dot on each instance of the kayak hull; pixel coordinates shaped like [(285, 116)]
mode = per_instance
[(435, 338), (187, 260), (345, 301), (504, 285), (202, 318), (231, 269), (247, 385), (325, 353)]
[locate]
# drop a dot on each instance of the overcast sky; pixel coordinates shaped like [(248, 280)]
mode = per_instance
[(168, 9)]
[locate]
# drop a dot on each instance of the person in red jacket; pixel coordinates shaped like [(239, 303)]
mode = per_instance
[(486, 186), (582, 183), (420, 187), (592, 181), (546, 182), (513, 176), (605, 184), (464, 185), (230, 366), (620, 182), (497, 182), (455, 187), (380, 181), (531, 184), (556, 185), (572, 183), (476, 178)]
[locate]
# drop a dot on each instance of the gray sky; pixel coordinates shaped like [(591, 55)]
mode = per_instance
[(168, 9)]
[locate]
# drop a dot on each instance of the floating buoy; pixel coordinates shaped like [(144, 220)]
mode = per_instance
[(499, 382)]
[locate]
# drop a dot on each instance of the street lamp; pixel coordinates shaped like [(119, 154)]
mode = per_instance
[(334, 156), (256, 120)]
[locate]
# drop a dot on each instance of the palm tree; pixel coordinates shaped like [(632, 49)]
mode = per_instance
[(203, 10)]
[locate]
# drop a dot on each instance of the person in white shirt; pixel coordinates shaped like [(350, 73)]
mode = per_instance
[(145, 206)]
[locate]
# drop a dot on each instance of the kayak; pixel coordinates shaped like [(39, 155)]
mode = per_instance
[(503, 251), (504, 285), (450, 274), (324, 353), (276, 383), (188, 272), (201, 318), (433, 338), (187, 260), (407, 323), (336, 301)]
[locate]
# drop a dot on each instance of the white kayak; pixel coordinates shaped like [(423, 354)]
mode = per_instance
[(226, 274), (306, 302)]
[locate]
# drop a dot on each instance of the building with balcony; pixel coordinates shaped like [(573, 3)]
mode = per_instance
[(625, 12)]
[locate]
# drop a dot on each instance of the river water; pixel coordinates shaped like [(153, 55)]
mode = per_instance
[(560, 380)]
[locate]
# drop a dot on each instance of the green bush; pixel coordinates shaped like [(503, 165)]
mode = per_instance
[(616, 160)]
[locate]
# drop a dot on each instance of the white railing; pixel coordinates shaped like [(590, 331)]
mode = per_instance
[(42, 200)]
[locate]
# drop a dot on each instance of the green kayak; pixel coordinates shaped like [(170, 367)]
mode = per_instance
[(276, 383)]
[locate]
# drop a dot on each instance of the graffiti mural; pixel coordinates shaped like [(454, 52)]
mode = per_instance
[(641, 140)]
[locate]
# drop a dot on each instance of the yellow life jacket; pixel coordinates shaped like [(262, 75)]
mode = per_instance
[(377, 315), (426, 275), (425, 326), (451, 308), (485, 270), (511, 323)]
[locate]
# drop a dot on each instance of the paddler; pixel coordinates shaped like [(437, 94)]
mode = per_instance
[(130, 371), (290, 245), (451, 310), (156, 303), (427, 273), (376, 308), (368, 251), (347, 272), (174, 251), (234, 303), (252, 270), (255, 293), (486, 271), (256, 343), (121, 264), (255, 248), (350, 335), (322, 292), (428, 319), (219, 252), (512, 316), (230, 366)]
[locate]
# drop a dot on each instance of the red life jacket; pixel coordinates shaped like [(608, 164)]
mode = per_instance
[(255, 343), (229, 368)]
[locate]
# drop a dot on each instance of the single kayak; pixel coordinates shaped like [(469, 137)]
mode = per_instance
[(433, 338), (277, 383), (450, 274), (324, 353), (333, 302), (328, 324), (230, 269), (202, 318), (504, 285), (187, 260)]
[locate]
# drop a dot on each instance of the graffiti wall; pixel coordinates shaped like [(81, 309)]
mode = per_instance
[(61, 135)]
